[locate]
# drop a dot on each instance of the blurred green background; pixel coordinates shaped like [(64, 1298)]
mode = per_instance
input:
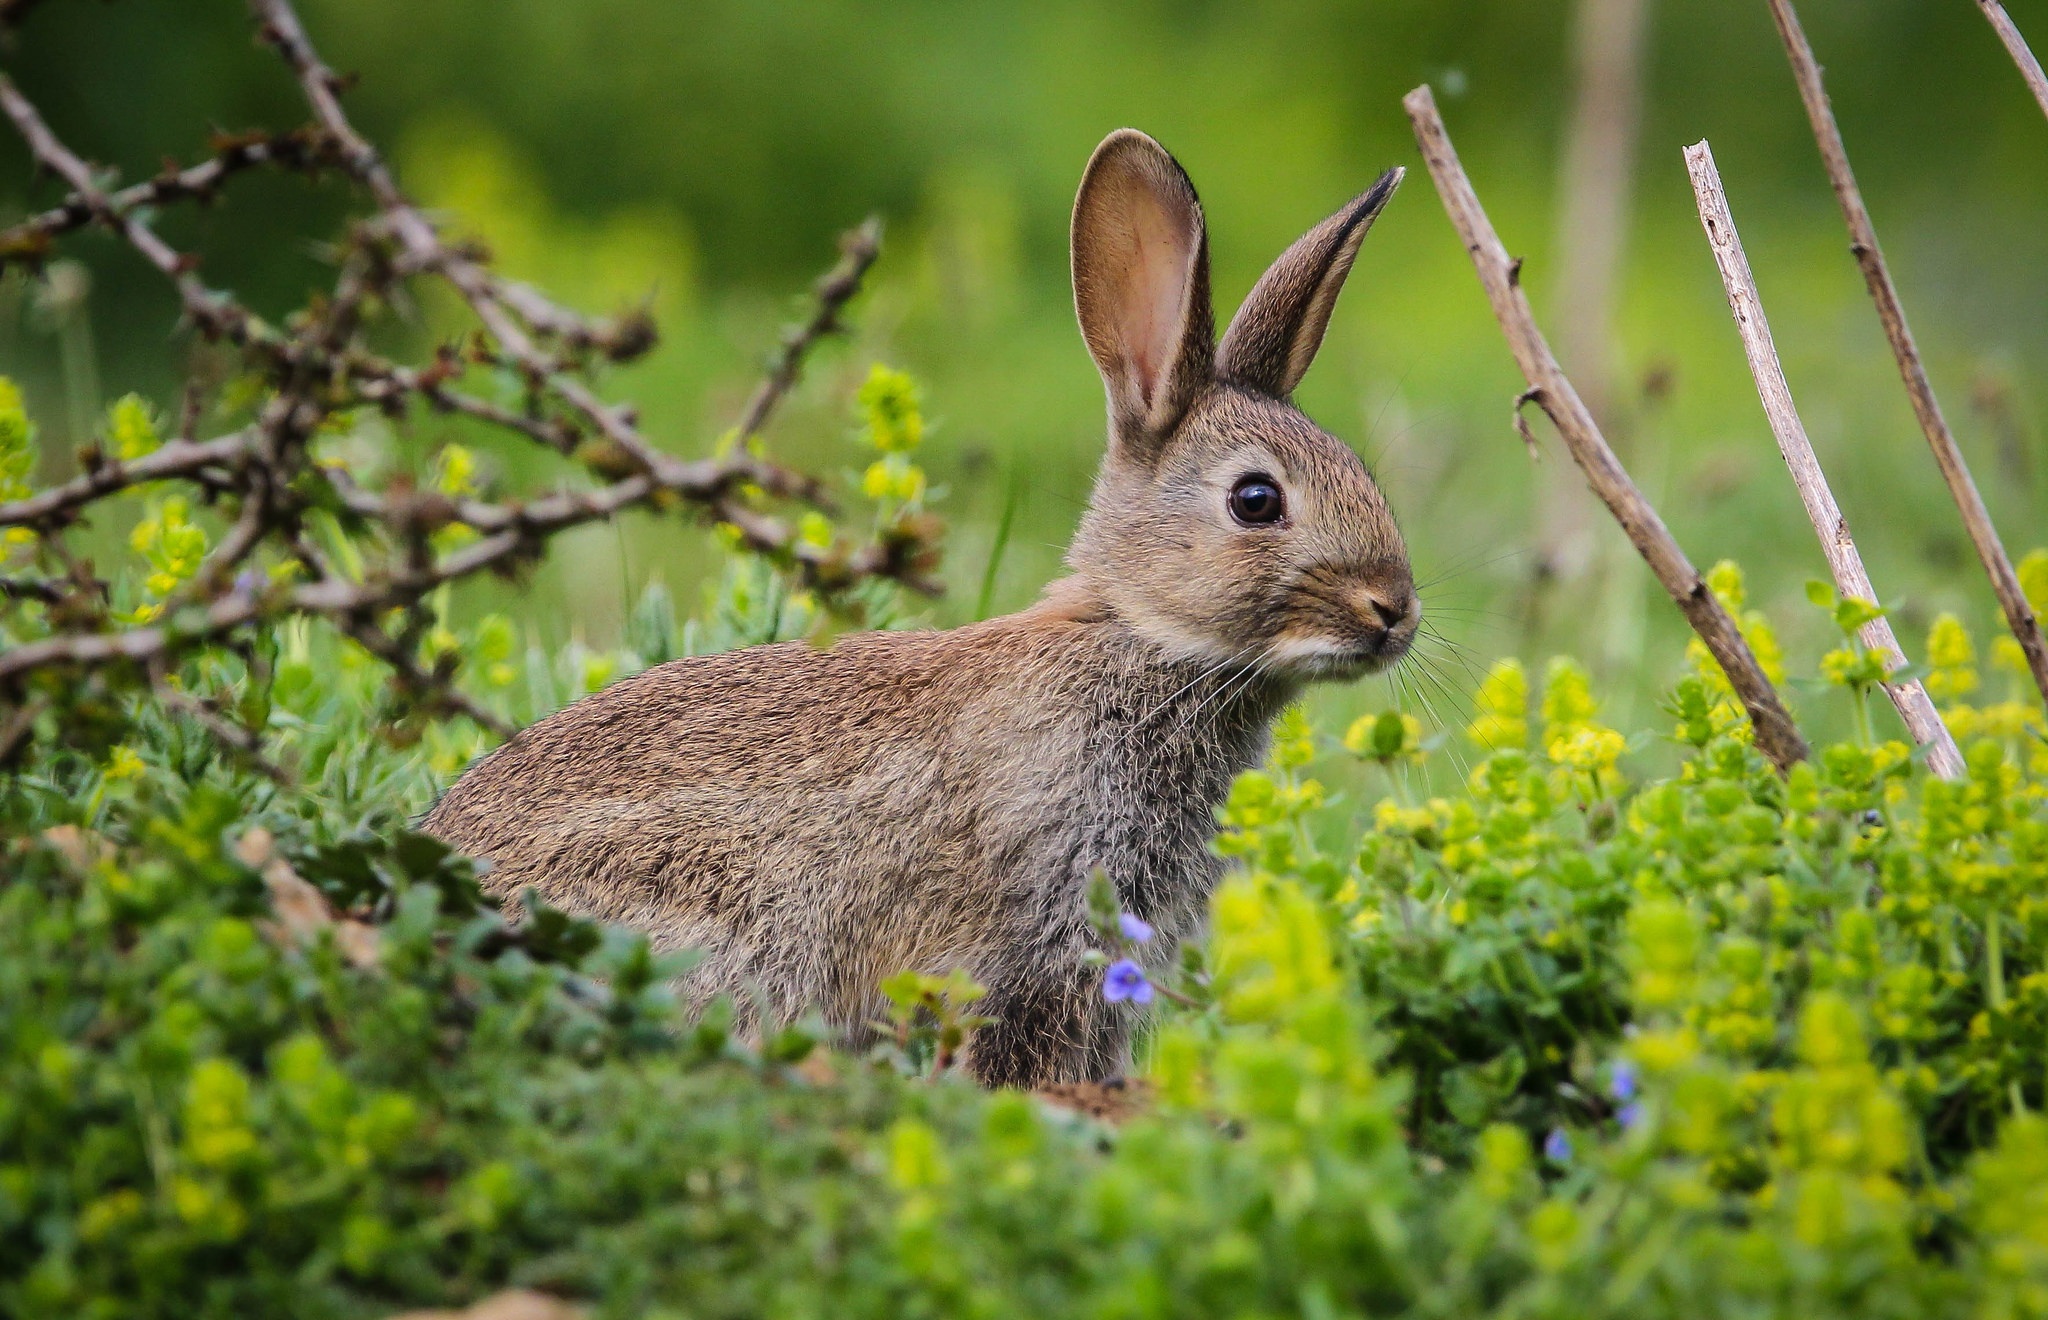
[(705, 154)]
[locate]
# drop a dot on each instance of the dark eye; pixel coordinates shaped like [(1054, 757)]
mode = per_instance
[(1256, 500)]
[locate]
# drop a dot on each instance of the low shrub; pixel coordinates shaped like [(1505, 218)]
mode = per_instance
[(1574, 1040)]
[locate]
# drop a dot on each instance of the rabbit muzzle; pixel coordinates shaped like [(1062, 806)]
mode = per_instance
[(1372, 637)]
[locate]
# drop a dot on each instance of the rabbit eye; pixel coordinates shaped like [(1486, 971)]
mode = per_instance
[(1255, 501)]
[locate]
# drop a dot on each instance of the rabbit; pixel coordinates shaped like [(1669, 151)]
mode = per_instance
[(812, 820)]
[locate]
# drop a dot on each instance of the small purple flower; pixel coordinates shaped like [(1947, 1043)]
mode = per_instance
[(1621, 1083), (1557, 1147), (1126, 980), (1135, 929), (250, 582), (1630, 1115)]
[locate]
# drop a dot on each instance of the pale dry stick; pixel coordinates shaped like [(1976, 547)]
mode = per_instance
[(2005, 583), (1908, 695), (1501, 277), (2016, 46)]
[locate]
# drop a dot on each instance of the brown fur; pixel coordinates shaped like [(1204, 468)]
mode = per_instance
[(813, 821)]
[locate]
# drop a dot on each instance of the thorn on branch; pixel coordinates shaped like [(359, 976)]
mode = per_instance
[(1534, 394)]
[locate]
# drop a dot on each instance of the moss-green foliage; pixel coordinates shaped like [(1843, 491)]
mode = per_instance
[(1569, 1042)]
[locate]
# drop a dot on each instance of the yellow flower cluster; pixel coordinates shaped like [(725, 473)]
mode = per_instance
[(173, 546), (1584, 750), (1953, 678), (1502, 703), (893, 422), (1390, 738), (131, 428), (17, 456)]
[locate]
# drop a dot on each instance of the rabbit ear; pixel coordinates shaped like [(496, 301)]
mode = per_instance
[(1141, 287), (1275, 335)]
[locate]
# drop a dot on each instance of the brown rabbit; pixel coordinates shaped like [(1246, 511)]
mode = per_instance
[(814, 820)]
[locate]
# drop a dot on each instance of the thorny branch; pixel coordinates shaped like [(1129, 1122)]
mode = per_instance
[(1549, 388), (314, 371)]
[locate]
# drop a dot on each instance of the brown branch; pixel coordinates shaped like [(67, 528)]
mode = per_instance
[(425, 687), (214, 314), (179, 458), (858, 249), (317, 367), (35, 589), (1908, 696), (2016, 46), (1775, 732), (31, 238), (487, 296), (1948, 456)]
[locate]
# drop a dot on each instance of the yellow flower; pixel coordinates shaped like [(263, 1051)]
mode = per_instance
[(171, 543), (1725, 581), (889, 405), (1502, 702), (455, 471), (2033, 575), (123, 763), (17, 443), (131, 428), (1952, 659), (1592, 748), (1387, 737)]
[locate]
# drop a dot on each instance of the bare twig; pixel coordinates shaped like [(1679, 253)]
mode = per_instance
[(858, 249), (314, 368), (489, 297), (179, 458), (210, 311), (1775, 732), (1948, 456), (1909, 696), (2016, 46), (33, 237)]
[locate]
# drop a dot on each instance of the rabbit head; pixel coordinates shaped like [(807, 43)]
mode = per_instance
[(1225, 525)]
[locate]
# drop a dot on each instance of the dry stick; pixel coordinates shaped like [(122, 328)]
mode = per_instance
[(1911, 699), (858, 249), (1501, 277), (179, 458), (2005, 583), (201, 181), (208, 310), (487, 296), (2016, 46)]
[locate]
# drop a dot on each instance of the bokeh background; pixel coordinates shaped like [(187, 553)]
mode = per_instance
[(703, 156)]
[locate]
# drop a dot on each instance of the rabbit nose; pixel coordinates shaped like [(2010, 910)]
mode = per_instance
[(1390, 608)]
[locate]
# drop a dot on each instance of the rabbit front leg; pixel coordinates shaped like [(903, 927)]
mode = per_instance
[(1049, 1023)]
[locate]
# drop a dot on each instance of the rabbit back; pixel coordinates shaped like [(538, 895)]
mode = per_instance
[(812, 820)]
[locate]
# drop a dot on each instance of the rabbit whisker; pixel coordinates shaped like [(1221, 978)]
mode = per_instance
[(1239, 681), (1165, 702)]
